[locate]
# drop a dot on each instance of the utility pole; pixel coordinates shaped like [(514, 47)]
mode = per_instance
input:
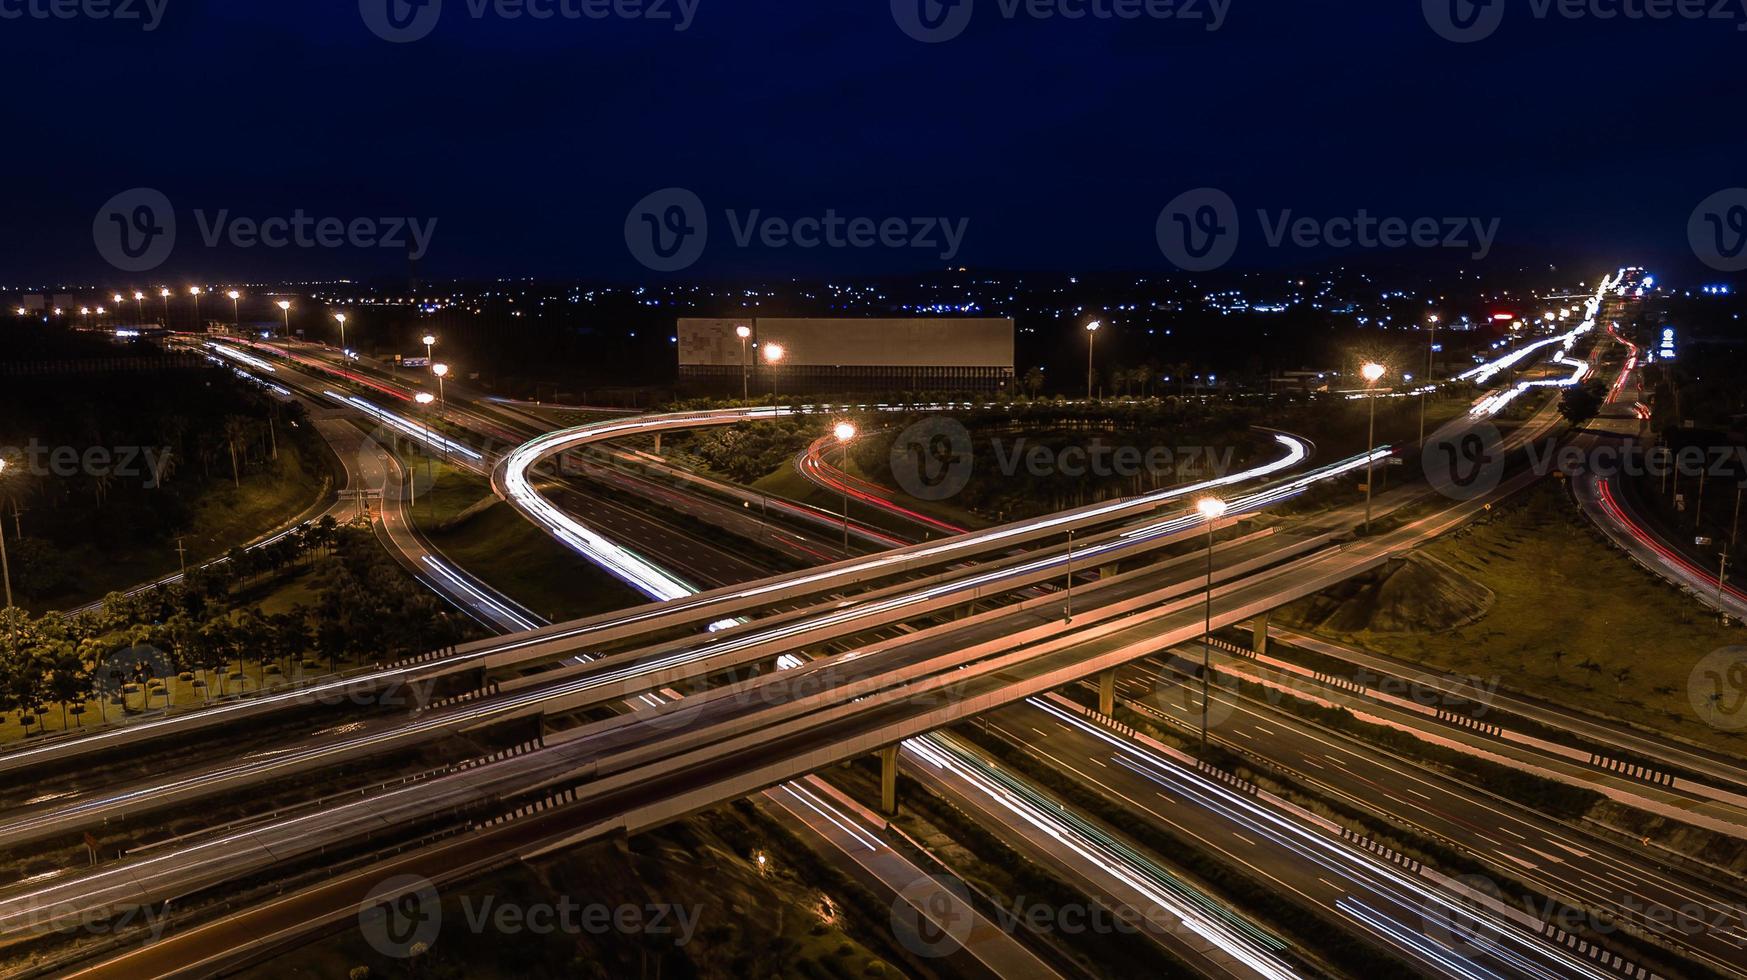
[(181, 557), (1735, 528), (1431, 350)]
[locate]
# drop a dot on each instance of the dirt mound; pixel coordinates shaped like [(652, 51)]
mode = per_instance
[(1416, 594)]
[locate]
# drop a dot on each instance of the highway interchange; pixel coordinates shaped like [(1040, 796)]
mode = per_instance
[(906, 674)]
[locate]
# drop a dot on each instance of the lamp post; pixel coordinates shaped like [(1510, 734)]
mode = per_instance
[(1431, 351), (1372, 373), (85, 312), (345, 368), (5, 567), (744, 332), (430, 340), (845, 433), (1211, 509), (139, 306), (165, 295), (194, 291), (1091, 342), (285, 308), (425, 399), (441, 371), (236, 312), (773, 355)]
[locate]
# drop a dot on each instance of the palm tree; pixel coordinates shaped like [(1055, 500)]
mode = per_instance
[(1033, 381), (236, 429)]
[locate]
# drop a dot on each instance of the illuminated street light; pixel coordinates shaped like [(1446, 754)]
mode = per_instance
[(285, 308), (744, 332), (845, 433), (1372, 373), (236, 315), (430, 341), (1211, 510), (425, 398), (773, 355), (1091, 342), (165, 295), (139, 305), (441, 371), (194, 291), (1431, 353)]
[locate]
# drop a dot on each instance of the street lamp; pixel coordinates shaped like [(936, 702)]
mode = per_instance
[(430, 341), (194, 291), (1371, 373), (165, 294), (424, 398), (5, 567), (236, 313), (744, 332), (1091, 342), (1211, 510), (139, 308), (345, 368), (845, 433), (441, 371), (773, 355), (1431, 351), (285, 308)]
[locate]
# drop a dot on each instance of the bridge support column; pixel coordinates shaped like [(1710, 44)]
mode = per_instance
[(889, 780), (1259, 642), (657, 443), (1107, 571), (1107, 693)]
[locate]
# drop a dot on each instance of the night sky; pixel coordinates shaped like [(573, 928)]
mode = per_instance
[(1059, 141)]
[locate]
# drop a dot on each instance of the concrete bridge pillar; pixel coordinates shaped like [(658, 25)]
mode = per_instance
[(889, 780), (1107, 693), (1259, 643), (657, 443)]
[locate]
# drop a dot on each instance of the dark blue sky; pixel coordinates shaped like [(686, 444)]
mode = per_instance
[(1059, 141)]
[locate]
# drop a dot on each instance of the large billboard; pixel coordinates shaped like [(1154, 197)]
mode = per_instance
[(919, 342)]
